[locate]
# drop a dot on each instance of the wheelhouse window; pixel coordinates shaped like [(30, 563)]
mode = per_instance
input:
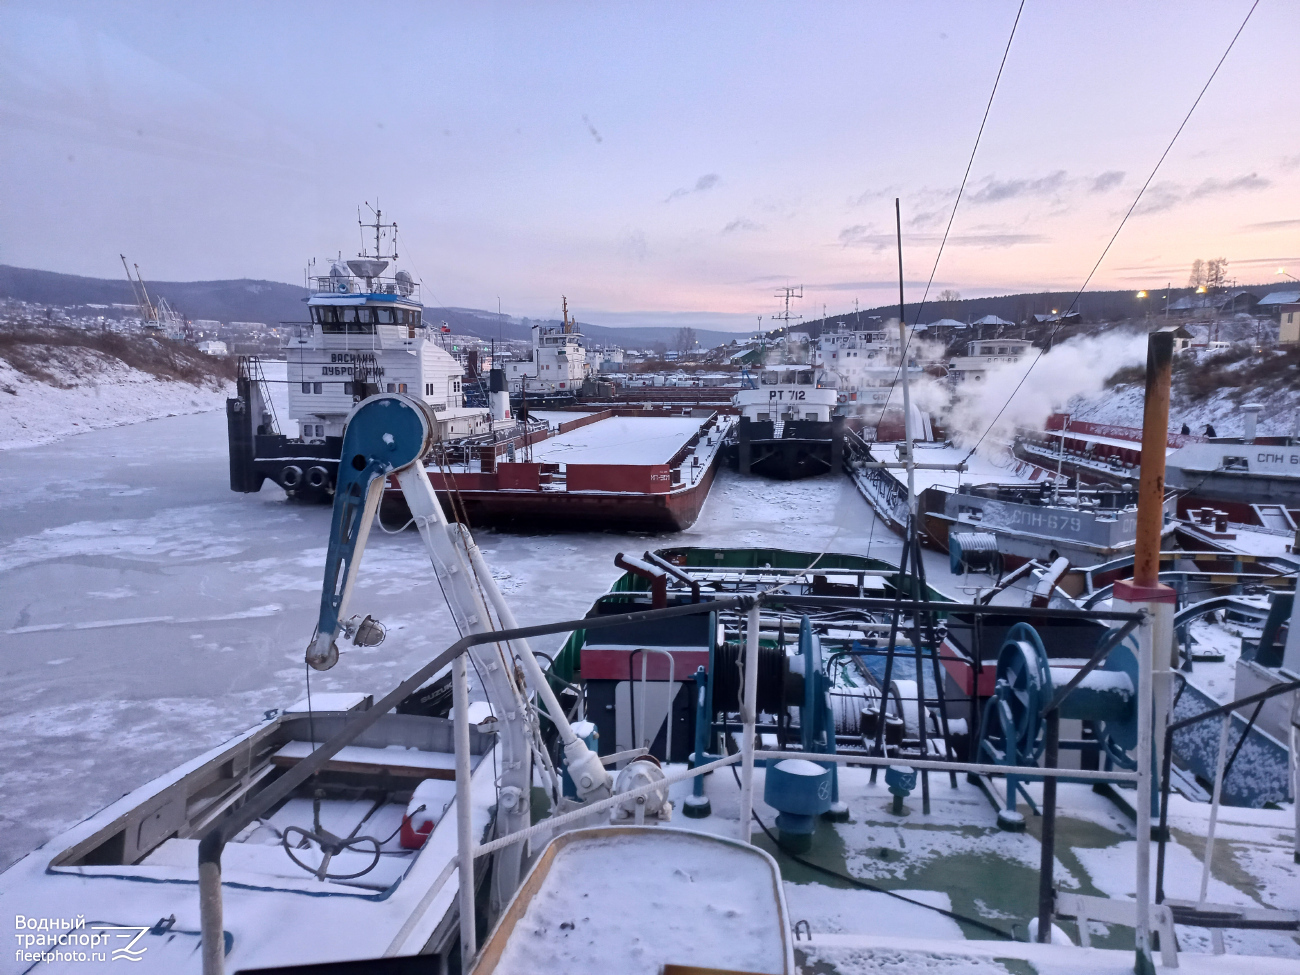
[(770, 378), (335, 320)]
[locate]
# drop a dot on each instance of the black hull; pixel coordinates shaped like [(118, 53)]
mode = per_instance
[(806, 448)]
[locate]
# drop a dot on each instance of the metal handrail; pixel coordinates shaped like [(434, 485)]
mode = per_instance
[(1167, 765), (640, 732), (214, 840)]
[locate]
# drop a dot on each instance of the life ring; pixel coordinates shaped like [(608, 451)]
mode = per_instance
[(290, 477), (318, 477)]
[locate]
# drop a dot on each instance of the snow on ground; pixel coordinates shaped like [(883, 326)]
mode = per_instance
[(1122, 406), (108, 393), (150, 613)]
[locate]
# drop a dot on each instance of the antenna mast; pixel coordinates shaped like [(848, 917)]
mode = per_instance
[(786, 317), (378, 227)]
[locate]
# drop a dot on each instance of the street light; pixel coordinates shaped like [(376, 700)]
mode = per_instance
[(1141, 294), (1283, 270)]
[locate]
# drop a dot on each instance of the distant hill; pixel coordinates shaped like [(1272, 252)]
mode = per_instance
[(271, 302), (246, 300), (1093, 306)]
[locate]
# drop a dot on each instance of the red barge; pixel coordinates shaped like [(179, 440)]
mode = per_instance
[(629, 470)]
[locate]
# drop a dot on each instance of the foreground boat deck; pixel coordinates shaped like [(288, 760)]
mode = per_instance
[(957, 859)]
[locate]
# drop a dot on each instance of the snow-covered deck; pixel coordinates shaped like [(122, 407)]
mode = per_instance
[(957, 859), (1097, 439), (620, 440), (980, 469)]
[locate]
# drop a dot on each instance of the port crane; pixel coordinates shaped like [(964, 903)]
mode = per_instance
[(160, 315)]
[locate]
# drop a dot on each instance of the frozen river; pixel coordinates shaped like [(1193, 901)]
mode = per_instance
[(149, 613)]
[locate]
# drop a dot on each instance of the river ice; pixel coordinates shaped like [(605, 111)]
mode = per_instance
[(148, 613)]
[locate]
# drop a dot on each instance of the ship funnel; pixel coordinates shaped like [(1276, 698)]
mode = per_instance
[(1251, 411), (498, 394)]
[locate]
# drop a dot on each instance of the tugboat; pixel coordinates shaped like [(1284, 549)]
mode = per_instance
[(788, 428), (365, 335)]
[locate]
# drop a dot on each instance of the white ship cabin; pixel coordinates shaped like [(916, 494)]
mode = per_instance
[(863, 366), (558, 365), (787, 393), (844, 347), (367, 331), (986, 354)]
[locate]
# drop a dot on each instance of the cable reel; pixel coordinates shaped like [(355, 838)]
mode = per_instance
[(1012, 731)]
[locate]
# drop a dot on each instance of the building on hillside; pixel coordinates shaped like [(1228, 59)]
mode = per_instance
[(753, 356), (992, 321), (986, 354), (1055, 318), (1184, 338), (212, 347), (1224, 302), (945, 329), (1289, 321), (1275, 301)]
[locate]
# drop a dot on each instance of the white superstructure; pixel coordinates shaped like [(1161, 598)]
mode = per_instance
[(786, 393), (558, 365), (863, 367), (367, 335), (986, 354)]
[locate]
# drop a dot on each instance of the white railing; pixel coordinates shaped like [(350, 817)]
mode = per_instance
[(337, 284)]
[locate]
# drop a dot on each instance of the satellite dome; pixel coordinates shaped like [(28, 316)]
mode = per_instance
[(404, 283)]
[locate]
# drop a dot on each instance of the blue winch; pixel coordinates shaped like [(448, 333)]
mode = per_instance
[(1013, 730)]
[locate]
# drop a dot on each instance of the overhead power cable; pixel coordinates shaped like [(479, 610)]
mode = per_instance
[(957, 202), (1109, 243)]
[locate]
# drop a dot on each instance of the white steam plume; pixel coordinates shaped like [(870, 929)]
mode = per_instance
[(1077, 367)]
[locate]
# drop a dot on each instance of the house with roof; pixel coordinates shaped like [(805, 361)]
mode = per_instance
[(1183, 336), (1066, 318), (1275, 301), (1289, 324)]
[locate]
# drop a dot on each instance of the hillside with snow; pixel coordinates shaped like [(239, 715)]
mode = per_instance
[(56, 382), (1209, 389)]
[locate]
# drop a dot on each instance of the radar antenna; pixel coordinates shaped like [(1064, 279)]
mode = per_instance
[(381, 230)]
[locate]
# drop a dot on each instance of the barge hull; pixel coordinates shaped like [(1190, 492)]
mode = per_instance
[(570, 510)]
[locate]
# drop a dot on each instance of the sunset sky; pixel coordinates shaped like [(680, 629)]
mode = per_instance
[(659, 163)]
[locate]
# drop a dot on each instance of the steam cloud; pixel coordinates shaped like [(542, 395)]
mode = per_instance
[(1078, 367)]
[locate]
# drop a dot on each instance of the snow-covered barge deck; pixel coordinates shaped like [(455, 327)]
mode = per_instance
[(602, 470)]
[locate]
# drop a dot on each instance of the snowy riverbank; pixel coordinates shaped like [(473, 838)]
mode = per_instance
[(56, 381), (35, 412)]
